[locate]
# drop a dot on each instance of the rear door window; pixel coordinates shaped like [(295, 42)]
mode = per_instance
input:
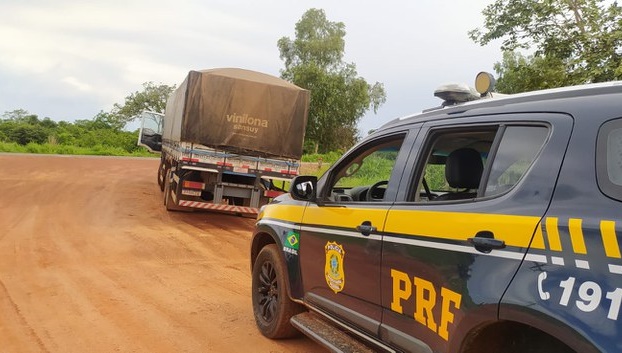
[(517, 151), (609, 159), (460, 162)]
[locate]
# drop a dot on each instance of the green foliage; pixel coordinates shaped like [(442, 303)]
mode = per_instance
[(330, 157), (518, 73), (153, 97), (376, 168), (17, 115), (96, 136), (105, 120), (22, 133), (435, 177), (573, 41), (10, 147), (339, 98), (23, 128), (46, 148)]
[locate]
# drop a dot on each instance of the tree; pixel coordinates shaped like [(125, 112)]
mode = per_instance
[(16, 115), (21, 116), (105, 120), (580, 38), (152, 97), (22, 133), (48, 123), (339, 98), (518, 73)]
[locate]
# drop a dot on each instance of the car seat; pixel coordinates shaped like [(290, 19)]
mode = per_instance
[(463, 170)]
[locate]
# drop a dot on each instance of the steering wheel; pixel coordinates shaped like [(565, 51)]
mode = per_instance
[(375, 187)]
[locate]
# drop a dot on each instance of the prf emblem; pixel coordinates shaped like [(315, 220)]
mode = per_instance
[(333, 270)]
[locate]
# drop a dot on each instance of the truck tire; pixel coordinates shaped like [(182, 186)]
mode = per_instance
[(169, 203), (167, 199), (162, 172), (272, 307)]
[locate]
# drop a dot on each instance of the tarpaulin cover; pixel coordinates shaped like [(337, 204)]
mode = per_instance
[(239, 110)]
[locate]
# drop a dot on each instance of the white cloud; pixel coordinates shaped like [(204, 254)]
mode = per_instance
[(74, 82)]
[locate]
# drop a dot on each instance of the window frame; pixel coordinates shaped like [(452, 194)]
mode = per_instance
[(500, 126), (426, 148), (363, 148)]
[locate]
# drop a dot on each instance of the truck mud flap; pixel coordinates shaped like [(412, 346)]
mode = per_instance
[(327, 335)]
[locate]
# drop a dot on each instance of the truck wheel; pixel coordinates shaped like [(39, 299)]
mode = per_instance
[(167, 199), (169, 203), (272, 307), (162, 172)]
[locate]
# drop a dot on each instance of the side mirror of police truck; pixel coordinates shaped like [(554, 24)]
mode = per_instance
[(303, 188)]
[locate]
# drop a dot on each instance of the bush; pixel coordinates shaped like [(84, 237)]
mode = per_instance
[(24, 134), (330, 157), (10, 147), (66, 150)]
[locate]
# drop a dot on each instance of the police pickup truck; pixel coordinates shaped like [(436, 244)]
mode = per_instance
[(493, 225)]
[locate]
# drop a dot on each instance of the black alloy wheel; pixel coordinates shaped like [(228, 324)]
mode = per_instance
[(272, 306)]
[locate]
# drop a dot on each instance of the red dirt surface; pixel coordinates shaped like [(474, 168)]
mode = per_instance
[(90, 261)]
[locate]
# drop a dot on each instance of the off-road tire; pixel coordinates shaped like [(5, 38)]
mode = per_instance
[(272, 307)]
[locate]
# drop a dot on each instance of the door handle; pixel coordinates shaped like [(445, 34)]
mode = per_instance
[(485, 242), (366, 228)]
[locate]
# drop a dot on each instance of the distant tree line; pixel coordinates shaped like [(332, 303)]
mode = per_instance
[(23, 128)]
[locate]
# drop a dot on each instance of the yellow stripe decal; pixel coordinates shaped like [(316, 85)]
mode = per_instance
[(326, 216), (552, 234), (348, 217), (610, 240), (538, 239), (288, 213), (515, 230), (576, 236)]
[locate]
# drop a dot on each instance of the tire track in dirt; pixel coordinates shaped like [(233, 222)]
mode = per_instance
[(14, 308)]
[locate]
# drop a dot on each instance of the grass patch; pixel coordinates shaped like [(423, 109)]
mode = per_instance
[(47, 148)]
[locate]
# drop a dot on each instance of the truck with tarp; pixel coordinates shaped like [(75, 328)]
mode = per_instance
[(228, 138)]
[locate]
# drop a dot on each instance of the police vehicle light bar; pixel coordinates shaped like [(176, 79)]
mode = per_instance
[(456, 93)]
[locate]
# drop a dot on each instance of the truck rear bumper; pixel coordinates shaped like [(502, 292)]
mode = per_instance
[(219, 207)]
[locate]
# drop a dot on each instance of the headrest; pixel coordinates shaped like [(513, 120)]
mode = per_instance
[(464, 168)]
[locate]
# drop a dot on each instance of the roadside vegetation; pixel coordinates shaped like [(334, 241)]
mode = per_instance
[(26, 133), (47, 148)]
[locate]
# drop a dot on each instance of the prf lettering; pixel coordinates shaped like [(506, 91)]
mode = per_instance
[(425, 300)]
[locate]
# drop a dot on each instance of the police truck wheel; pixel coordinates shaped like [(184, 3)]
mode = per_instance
[(271, 304)]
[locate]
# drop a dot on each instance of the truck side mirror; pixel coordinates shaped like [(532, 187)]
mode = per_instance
[(303, 188)]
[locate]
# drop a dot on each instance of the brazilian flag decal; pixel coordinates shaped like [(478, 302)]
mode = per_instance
[(292, 240)]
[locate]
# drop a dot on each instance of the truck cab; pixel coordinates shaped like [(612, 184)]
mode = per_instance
[(150, 132)]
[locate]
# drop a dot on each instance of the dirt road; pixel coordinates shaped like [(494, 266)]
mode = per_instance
[(91, 262)]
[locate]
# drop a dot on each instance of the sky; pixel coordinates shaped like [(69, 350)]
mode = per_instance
[(69, 60)]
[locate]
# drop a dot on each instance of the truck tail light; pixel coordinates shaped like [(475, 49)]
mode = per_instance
[(193, 185)]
